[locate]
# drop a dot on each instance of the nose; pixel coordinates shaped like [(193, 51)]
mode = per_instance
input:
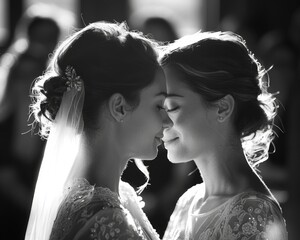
[(166, 120)]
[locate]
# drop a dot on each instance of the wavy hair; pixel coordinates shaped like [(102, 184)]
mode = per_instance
[(219, 63)]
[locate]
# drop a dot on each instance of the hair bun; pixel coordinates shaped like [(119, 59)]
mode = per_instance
[(251, 118), (55, 85), (53, 90)]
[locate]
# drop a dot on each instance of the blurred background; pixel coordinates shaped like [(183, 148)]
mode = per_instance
[(30, 30)]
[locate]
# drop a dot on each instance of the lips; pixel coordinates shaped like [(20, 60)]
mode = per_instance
[(159, 136), (158, 140), (169, 141)]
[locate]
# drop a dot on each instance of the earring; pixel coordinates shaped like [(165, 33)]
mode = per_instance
[(121, 120), (220, 118)]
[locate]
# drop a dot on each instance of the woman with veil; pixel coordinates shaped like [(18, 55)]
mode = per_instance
[(99, 104)]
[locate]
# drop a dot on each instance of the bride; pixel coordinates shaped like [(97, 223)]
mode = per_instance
[(99, 104)]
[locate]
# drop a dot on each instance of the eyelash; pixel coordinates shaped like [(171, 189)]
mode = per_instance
[(173, 109), (160, 107), (167, 110)]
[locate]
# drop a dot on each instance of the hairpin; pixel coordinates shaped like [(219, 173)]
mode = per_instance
[(73, 81)]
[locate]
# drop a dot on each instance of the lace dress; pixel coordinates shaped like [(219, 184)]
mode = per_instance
[(93, 213), (248, 215)]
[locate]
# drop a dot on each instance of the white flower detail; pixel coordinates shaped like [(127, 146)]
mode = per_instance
[(73, 81)]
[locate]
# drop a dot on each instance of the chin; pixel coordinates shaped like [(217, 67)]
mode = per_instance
[(150, 155), (153, 156), (172, 157), (176, 158)]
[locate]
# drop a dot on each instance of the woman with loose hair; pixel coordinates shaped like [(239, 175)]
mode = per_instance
[(99, 104), (222, 118)]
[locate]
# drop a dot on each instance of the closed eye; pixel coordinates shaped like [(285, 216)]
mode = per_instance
[(160, 107), (172, 109)]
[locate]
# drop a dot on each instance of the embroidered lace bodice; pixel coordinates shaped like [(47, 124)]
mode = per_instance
[(246, 216), (89, 212)]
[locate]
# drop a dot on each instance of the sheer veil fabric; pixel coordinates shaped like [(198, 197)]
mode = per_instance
[(58, 162)]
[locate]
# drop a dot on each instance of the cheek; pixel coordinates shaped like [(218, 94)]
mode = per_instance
[(153, 121), (141, 136), (188, 128), (145, 125), (185, 124)]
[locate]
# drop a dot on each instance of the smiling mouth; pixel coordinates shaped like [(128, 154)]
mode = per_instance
[(171, 141)]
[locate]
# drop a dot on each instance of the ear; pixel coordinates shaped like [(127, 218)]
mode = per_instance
[(117, 107), (225, 108)]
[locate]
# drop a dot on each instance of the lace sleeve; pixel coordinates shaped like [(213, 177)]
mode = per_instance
[(255, 217), (110, 224)]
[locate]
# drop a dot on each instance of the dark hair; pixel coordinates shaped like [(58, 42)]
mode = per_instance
[(216, 64), (108, 58)]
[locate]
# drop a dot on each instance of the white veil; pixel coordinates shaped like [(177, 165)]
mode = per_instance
[(59, 158)]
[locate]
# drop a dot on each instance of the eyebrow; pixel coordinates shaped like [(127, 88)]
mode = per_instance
[(170, 95), (167, 95), (161, 94)]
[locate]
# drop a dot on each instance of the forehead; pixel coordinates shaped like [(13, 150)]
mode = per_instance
[(178, 90), (157, 87), (174, 81)]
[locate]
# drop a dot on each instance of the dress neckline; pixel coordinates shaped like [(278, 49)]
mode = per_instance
[(127, 200), (193, 207), (80, 187), (197, 197)]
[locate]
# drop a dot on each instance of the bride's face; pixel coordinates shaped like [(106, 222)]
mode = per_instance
[(192, 134), (144, 129)]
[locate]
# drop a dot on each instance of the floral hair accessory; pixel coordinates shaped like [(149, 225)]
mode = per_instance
[(73, 81)]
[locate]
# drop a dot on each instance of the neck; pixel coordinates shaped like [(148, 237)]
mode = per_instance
[(100, 162), (225, 172)]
